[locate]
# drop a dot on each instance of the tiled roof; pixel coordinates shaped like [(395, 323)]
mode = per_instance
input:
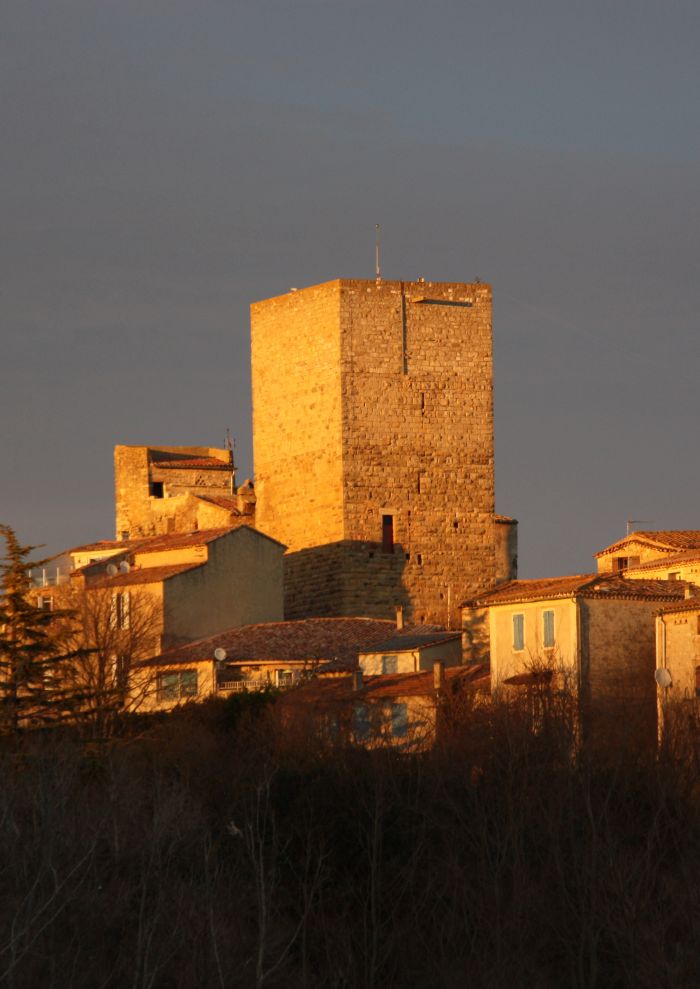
[(181, 540), (144, 575), (662, 538), (221, 501), (320, 691), (506, 519), (687, 604), (584, 585), (105, 544), (419, 637), (310, 639), (190, 463), (687, 556)]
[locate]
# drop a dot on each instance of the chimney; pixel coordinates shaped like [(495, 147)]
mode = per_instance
[(399, 618), (357, 680), (438, 675)]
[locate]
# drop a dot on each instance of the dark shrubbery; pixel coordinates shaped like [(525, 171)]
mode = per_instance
[(224, 846)]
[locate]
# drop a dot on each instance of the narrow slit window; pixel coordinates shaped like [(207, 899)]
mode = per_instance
[(157, 489), (387, 533)]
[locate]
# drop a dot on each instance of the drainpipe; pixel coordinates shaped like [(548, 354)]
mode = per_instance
[(661, 691), (579, 671)]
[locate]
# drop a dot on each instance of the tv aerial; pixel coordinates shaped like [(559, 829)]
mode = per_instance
[(220, 655), (111, 570), (124, 567)]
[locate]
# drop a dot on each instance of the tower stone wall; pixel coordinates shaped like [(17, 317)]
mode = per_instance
[(373, 438)]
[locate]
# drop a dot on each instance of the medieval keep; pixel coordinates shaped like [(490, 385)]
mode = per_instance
[(373, 447)]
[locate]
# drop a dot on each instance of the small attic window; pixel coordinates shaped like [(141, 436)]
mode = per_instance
[(156, 489)]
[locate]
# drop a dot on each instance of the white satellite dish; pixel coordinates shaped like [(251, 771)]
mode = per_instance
[(663, 677), (124, 567), (219, 655), (111, 570)]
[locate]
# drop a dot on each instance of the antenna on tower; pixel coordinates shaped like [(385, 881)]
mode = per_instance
[(377, 253)]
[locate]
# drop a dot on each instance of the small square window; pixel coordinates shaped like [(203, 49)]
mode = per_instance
[(390, 664), (156, 489)]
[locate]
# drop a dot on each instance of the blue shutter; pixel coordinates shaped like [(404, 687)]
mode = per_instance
[(518, 632), (548, 629)]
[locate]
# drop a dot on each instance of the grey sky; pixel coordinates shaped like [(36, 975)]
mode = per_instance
[(164, 163)]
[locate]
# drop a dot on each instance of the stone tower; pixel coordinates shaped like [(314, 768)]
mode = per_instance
[(373, 445)]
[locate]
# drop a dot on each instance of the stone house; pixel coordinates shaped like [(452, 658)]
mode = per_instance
[(590, 636), (253, 657), (405, 711), (678, 664), (373, 446), (639, 549), (413, 650), (193, 584), (168, 489)]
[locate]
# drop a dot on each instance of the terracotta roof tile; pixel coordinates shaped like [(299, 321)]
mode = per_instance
[(190, 463), (319, 691), (144, 575), (181, 540), (662, 538), (585, 585), (409, 639), (506, 519), (687, 604), (221, 501), (310, 639), (687, 556)]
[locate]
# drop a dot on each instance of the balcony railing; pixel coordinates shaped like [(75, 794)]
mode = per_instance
[(241, 686)]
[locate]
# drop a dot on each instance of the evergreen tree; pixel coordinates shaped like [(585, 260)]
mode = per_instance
[(32, 690)]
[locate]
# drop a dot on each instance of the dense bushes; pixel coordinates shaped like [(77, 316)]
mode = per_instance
[(222, 847)]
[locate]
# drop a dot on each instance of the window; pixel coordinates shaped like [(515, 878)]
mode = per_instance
[(360, 721), (518, 632), (390, 664), (620, 562), (399, 720), (175, 686), (548, 629), (674, 575), (44, 603), (698, 625), (119, 610), (387, 533), (156, 489)]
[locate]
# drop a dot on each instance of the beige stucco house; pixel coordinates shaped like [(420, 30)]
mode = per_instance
[(192, 584), (659, 550), (253, 657), (413, 650), (589, 635), (405, 711), (678, 664)]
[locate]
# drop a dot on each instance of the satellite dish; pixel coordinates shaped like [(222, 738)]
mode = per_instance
[(663, 677), (111, 570), (124, 567), (219, 655)]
